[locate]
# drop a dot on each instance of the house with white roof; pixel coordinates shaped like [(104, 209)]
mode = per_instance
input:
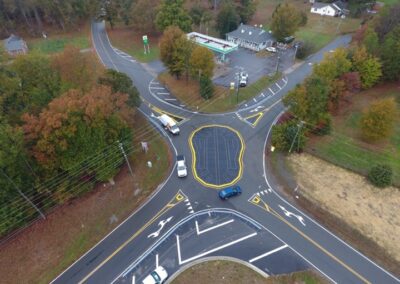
[(334, 9)]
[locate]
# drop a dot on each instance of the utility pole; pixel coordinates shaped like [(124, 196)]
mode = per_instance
[(23, 195), (294, 139), (237, 88), (125, 156)]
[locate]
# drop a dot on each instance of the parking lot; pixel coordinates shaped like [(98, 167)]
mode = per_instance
[(256, 66)]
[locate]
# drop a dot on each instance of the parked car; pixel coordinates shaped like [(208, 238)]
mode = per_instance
[(181, 166), (243, 76), (229, 192), (158, 276), (271, 49)]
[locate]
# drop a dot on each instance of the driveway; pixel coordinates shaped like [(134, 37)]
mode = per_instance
[(256, 66)]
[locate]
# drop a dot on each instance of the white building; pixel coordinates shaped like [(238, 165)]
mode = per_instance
[(254, 38), (326, 9)]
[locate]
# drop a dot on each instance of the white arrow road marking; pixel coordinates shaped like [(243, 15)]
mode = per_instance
[(256, 109), (162, 223), (289, 214)]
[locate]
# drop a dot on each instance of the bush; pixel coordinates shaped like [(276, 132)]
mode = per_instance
[(380, 175), (304, 50)]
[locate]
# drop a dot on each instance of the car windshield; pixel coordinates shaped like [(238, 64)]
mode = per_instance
[(181, 168), (156, 276)]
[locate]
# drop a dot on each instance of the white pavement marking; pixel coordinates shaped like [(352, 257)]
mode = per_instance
[(210, 251), (162, 93), (278, 86), (154, 82), (182, 105), (262, 94), (268, 253), (310, 63), (262, 192), (178, 248), (211, 228), (157, 260), (271, 91), (284, 80), (158, 88), (170, 99), (289, 214), (133, 279), (162, 223), (254, 99)]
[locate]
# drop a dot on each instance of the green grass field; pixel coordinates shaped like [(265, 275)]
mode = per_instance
[(345, 148), (58, 43)]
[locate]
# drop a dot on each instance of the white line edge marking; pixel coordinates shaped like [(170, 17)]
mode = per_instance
[(211, 251), (178, 248), (133, 279), (268, 253), (311, 219), (157, 260), (211, 228)]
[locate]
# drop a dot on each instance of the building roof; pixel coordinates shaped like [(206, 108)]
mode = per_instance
[(320, 5), (212, 43), (252, 34), (14, 43)]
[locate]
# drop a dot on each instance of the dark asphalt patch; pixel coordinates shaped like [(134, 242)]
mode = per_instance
[(217, 155)]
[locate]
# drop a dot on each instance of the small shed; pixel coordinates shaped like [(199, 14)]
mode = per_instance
[(326, 9), (15, 45), (251, 37)]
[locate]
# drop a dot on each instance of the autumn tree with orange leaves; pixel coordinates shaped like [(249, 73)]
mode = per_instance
[(81, 130)]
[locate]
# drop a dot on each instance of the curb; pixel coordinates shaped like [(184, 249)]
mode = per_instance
[(215, 258)]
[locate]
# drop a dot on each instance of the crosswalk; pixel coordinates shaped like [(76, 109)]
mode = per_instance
[(124, 55), (162, 93)]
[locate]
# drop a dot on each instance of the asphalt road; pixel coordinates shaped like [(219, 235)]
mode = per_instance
[(185, 221)]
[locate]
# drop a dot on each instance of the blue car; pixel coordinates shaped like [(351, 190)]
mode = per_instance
[(229, 192)]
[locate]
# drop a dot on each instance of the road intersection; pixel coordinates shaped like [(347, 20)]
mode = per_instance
[(185, 221)]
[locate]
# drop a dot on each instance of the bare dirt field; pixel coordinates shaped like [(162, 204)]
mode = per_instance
[(372, 211)]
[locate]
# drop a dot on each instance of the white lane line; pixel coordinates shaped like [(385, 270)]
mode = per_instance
[(157, 260), (211, 228), (210, 251), (158, 88), (162, 93), (178, 248), (154, 82), (254, 99), (271, 91), (133, 279), (170, 99), (278, 86), (268, 253)]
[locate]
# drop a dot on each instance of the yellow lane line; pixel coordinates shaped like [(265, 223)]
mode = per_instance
[(256, 200), (174, 201), (240, 158)]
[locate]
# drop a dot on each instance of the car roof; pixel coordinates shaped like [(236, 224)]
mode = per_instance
[(180, 157)]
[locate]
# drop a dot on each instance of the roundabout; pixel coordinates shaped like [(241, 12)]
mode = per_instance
[(217, 152)]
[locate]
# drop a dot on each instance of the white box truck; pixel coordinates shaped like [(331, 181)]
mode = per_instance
[(169, 124)]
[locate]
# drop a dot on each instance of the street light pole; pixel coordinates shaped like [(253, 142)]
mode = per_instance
[(125, 156), (277, 64)]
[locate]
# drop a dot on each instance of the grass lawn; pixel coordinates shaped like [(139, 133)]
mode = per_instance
[(222, 271), (74, 228), (319, 30), (57, 42), (344, 146), (223, 99), (130, 41)]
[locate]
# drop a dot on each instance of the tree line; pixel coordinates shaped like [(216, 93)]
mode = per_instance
[(60, 123), (373, 57)]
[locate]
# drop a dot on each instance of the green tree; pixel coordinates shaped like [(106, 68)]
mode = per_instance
[(227, 19), (389, 19), (288, 135), (367, 66), (174, 48), (121, 83), (390, 55), (246, 10), (333, 65), (12, 166), (144, 15), (206, 87), (172, 13), (202, 62), (286, 20), (377, 122), (371, 42)]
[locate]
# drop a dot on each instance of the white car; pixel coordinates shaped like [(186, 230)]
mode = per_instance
[(271, 49), (243, 76), (158, 276), (181, 166)]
